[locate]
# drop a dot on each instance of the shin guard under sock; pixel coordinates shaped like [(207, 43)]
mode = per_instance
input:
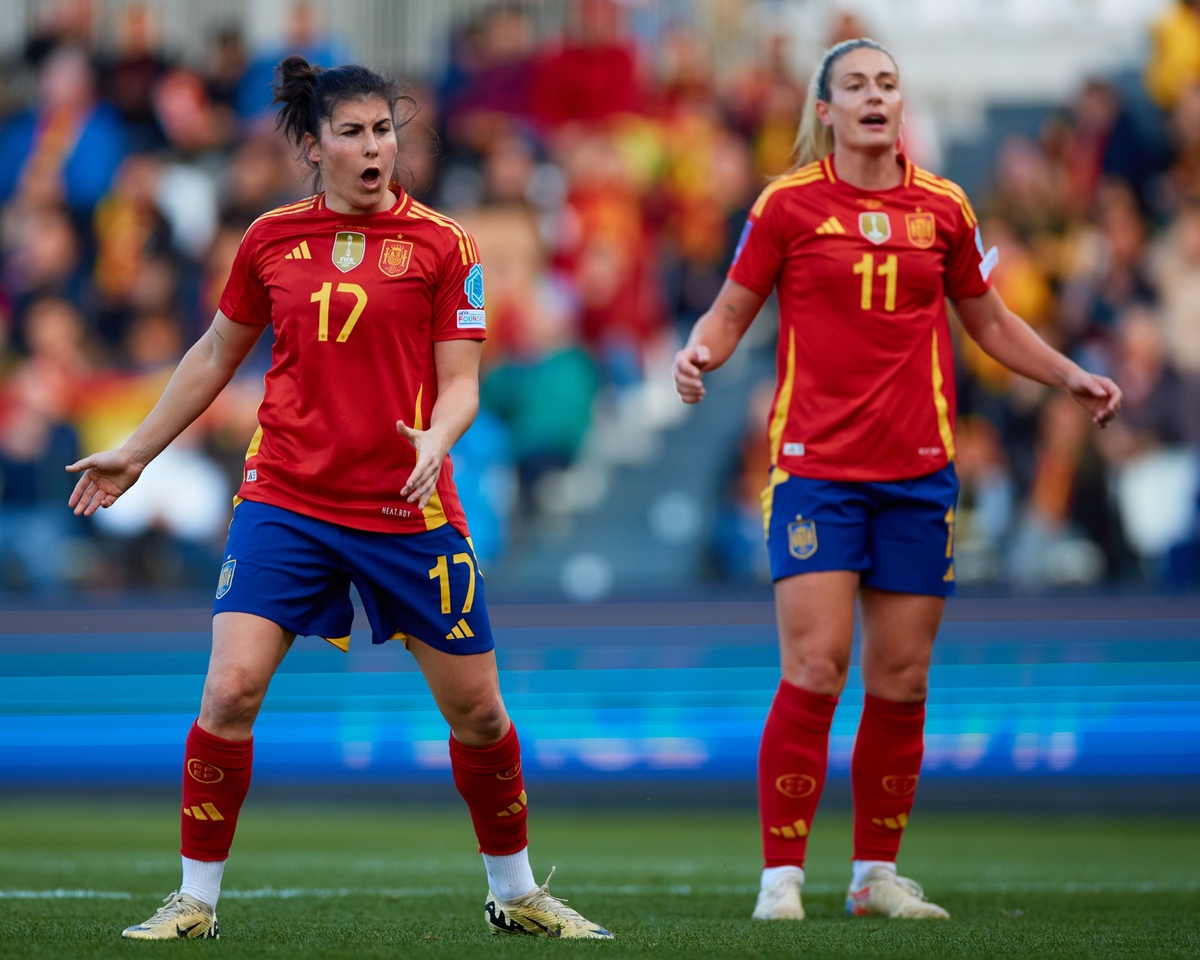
[(490, 781), (216, 776), (792, 762), (884, 771)]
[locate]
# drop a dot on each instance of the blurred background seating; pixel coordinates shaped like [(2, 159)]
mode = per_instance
[(604, 154)]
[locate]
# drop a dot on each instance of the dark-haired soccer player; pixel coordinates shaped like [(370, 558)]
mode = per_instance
[(863, 249), (377, 307)]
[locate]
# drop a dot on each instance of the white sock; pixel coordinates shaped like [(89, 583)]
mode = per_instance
[(863, 867), (202, 880), (770, 874), (509, 876)]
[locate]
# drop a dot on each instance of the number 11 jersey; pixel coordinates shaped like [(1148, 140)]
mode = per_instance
[(356, 304), (865, 364)]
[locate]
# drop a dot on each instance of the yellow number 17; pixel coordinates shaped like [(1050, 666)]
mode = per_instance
[(441, 573), (323, 297)]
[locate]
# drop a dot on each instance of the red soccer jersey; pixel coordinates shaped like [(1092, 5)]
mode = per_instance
[(356, 303), (865, 365)]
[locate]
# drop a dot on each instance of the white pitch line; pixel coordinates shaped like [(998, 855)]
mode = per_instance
[(681, 890), (64, 895)]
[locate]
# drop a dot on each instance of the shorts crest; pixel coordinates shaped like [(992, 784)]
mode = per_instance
[(802, 538), (226, 580)]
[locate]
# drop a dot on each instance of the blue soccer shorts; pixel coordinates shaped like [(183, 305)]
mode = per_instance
[(296, 571), (898, 534)]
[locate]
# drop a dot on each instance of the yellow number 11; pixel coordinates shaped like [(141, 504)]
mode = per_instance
[(888, 269)]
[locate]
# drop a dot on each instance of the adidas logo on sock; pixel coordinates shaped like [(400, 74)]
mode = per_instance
[(206, 811), (514, 808)]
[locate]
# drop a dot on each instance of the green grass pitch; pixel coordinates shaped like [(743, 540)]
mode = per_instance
[(362, 881)]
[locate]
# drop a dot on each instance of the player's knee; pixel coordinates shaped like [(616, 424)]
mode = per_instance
[(902, 683), (231, 698), (818, 674), (482, 720)]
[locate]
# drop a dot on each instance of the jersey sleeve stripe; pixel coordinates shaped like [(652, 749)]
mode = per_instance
[(802, 177), (968, 213), (954, 188), (908, 172), (422, 212), (300, 206), (934, 179)]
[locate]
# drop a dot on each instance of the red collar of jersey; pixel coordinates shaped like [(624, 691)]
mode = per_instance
[(903, 161), (402, 201)]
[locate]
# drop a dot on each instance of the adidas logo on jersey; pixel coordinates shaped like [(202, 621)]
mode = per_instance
[(460, 632), (300, 252), (832, 225)]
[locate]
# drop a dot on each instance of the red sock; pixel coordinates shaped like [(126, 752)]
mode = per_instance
[(489, 779), (883, 773), (792, 761), (216, 776)]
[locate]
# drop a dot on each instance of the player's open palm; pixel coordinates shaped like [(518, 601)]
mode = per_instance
[(105, 477), (431, 453)]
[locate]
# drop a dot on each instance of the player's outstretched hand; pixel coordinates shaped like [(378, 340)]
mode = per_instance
[(688, 369), (105, 477), (1099, 395), (431, 453)]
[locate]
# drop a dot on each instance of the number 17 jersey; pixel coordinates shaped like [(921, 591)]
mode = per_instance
[(865, 365), (356, 304)]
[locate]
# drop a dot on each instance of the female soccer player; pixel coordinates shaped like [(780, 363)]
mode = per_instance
[(376, 303), (863, 249)]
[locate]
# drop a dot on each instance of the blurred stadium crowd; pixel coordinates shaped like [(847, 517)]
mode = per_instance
[(606, 179)]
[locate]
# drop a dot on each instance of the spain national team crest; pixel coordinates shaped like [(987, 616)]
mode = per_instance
[(226, 580), (349, 248), (876, 227), (802, 538), (900, 786), (394, 257), (922, 229)]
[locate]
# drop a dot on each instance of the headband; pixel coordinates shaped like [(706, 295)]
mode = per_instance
[(835, 53)]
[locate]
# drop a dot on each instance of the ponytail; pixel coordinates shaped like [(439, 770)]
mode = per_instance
[(309, 94), (814, 140), (295, 86)]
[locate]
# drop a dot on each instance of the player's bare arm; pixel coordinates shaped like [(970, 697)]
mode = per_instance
[(714, 338), (1007, 338), (202, 374), (457, 366)]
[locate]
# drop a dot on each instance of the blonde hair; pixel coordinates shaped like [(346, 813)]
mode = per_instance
[(814, 140)]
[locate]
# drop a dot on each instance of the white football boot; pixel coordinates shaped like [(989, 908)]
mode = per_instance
[(885, 894)]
